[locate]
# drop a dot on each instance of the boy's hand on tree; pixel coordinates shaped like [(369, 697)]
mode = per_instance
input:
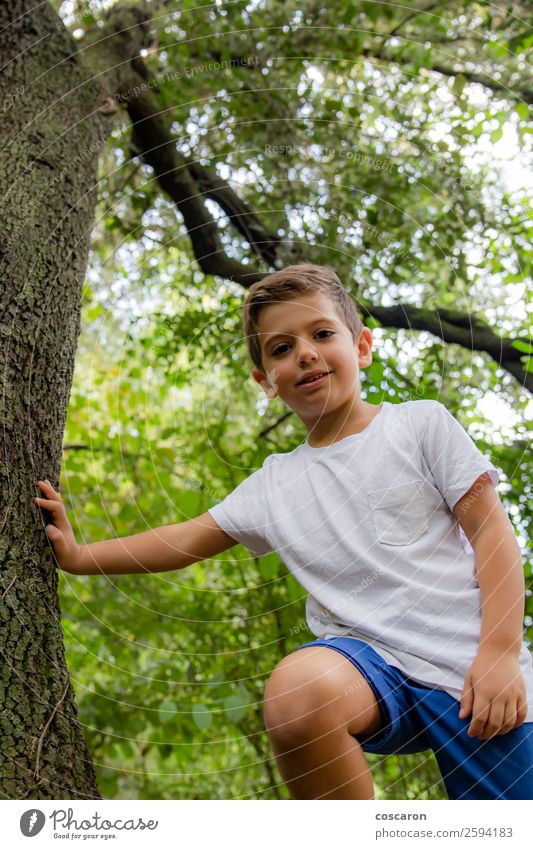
[(60, 533)]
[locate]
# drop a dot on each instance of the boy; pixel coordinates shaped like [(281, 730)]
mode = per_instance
[(387, 515)]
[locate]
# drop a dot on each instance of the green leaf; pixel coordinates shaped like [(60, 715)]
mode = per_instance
[(235, 707), (167, 710), (526, 347), (521, 42), (372, 12), (201, 715), (459, 84)]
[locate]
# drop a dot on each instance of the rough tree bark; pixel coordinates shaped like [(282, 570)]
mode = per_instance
[(51, 137)]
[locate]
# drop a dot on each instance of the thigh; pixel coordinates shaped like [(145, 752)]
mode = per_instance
[(315, 684), (398, 731), (498, 768)]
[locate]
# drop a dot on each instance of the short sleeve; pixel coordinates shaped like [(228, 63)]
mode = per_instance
[(243, 514), (452, 457)]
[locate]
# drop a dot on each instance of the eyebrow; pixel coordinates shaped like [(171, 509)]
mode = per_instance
[(322, 320)]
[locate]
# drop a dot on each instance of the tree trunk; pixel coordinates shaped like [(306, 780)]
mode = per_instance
[(52, 134)]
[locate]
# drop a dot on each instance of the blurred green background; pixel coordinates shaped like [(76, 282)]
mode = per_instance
[(405, 174)]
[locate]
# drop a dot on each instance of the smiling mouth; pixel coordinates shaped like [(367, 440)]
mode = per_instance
[(309, 380)]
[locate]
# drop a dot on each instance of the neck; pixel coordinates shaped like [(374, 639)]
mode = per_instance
[(333, 426)]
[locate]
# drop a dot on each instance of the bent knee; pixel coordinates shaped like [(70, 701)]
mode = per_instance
[(304, 699)]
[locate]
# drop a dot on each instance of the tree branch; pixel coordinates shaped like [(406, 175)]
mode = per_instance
[(116, 52), (414, 14), (525, 95), (157, 148), (238, 212), (452, 326)]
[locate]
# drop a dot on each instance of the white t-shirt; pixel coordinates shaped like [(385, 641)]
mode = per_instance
[(365, 525)]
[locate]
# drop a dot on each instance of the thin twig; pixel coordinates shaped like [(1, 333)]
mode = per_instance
[(414, 14), (276, 423)]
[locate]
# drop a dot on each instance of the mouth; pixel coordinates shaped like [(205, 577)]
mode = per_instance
[(314, 379)]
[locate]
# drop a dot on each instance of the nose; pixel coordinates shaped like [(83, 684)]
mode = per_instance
[(306, 352)]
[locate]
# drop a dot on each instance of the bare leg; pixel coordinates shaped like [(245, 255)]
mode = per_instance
[(314, 702), (333, 767)]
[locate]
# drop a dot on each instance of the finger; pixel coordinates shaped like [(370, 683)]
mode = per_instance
[(48, 491), (480, 715), (521, 713), (467, 700), (494, 720), (509, 719), (51, 505), (58, 541), (480, 712), (479, 722), (57, 511), (54, 534), (47, 488)]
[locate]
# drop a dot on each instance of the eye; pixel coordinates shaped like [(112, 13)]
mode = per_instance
[(279, 349)]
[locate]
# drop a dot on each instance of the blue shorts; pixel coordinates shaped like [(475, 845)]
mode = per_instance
[(418, 718)]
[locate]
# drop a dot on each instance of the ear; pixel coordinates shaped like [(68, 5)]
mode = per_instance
[(269, 390), (364, 347)]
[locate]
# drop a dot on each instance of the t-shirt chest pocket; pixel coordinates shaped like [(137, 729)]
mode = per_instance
[(399, 512)]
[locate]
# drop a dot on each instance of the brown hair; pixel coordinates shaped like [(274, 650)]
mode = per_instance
[(283, 285)]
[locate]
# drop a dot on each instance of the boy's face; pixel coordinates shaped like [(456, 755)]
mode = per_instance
[(304, 336)]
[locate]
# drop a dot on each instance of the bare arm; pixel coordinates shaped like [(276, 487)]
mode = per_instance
[(499, 568), (494, 690), (158, 550)]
